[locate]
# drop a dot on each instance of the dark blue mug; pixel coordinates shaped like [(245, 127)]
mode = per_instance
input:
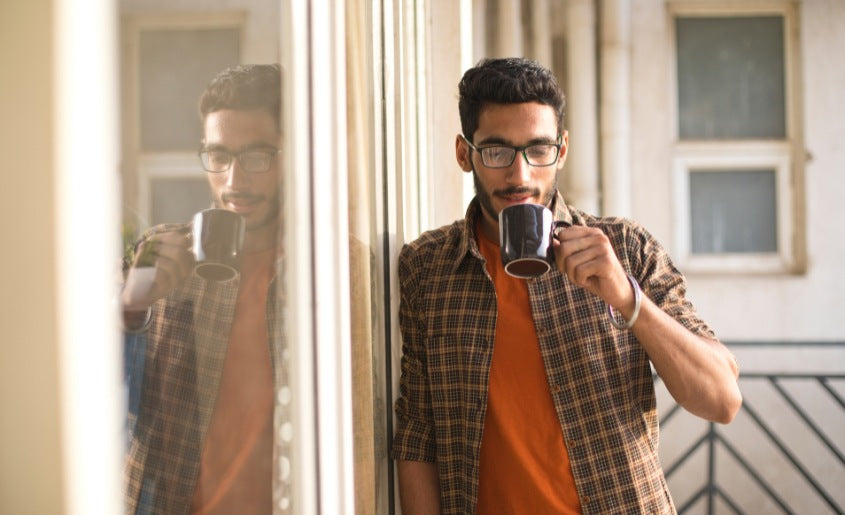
[(217, 236), (525, 239)]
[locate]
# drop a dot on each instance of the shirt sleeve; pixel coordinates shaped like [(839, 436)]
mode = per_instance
[(661, 280), (414, 438)]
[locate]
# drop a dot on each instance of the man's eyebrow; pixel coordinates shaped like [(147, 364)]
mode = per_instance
[(259, 145), (496, 140), (493, 140)]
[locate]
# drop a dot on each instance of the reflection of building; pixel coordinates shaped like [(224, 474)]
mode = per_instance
[(167, 57), (713, 123)]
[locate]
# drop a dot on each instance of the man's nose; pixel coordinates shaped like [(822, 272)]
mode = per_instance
[(236, 175), (520, 170)]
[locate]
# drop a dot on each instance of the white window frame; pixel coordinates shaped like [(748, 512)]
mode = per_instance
[(149, 166), (730, 157), (164, 165), (85, 111), (781, 155), (316, 243)]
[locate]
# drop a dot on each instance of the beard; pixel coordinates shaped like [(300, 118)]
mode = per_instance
[(270, 217), (485, 198)]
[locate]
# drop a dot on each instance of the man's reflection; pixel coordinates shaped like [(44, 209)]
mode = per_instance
[(203, 438)]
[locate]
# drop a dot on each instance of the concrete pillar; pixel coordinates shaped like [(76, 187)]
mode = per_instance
[(479, 36), (509, 29), (615, 106), (541, 33), (581, 177), (450, 39)]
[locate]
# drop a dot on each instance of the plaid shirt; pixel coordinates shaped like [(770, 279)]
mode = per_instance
[(185, 350), (600, 377)]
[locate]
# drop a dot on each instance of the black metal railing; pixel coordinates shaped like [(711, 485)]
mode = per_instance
[(717, 440)]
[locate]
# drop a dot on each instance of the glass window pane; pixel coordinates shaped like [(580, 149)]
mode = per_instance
[(733, 211), (174, 65), (176, 200), (209, 425), (731, 78)]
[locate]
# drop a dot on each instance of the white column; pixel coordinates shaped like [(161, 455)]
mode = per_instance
[(329, 201), (450, 46), (541, 33), (317, 250), (509, 29), (581, 175), (86, 221), (615, 106), (479, 37)]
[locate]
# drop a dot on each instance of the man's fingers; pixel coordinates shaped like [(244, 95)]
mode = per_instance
[(583, 264), (170, 254), (176, 265), (587, 258), (574, 232)]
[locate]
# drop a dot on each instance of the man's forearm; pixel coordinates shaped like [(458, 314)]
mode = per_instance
[(419, 488), (700, 373)]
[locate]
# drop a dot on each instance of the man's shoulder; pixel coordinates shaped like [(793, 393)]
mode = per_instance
[(611, 225), (435, 241)]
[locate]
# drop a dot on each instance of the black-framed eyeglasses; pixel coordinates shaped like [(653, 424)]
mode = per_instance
[(502, 156), (251, 161)]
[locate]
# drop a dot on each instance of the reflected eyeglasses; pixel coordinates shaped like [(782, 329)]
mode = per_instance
[(251, 161)]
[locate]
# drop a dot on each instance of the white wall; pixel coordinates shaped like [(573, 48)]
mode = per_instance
[(784, 307), (30, 452)]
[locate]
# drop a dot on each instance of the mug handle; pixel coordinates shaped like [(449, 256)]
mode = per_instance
[(559, 224)]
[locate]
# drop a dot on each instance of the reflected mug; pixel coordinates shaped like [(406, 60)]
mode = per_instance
[(525, 238), (217, 236)]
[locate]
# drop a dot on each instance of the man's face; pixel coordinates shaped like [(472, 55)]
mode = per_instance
[(514, 125), (254, 196)]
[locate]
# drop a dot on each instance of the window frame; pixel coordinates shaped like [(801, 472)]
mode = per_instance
[(784, 156), (724, 157)]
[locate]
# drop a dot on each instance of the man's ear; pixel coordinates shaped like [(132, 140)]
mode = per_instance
[(462, 154), (564, 149)]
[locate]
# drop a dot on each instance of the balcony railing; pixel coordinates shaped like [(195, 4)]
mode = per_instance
[(784, 452)]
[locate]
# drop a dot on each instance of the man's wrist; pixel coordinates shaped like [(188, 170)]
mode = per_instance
[(135, 322), (620, 322)]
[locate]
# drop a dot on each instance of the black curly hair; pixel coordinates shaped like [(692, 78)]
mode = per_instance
[(511, 80), (245, 87)]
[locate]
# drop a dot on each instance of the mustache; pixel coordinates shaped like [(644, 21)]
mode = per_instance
[(249, 197), (515, 190)]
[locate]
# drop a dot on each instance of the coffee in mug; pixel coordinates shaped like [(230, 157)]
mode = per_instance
[(525, 239), (217, 236)]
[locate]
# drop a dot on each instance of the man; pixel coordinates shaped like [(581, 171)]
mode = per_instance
[(531, 396), (203, 438)]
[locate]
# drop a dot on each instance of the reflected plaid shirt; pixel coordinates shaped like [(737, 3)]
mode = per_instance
[(600, 377), (185, 350)]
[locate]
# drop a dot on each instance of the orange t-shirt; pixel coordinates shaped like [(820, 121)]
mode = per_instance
[(236, 467), (524, 466)]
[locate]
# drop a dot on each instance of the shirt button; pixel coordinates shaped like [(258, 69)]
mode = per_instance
[(585, 499), (556, 388)]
